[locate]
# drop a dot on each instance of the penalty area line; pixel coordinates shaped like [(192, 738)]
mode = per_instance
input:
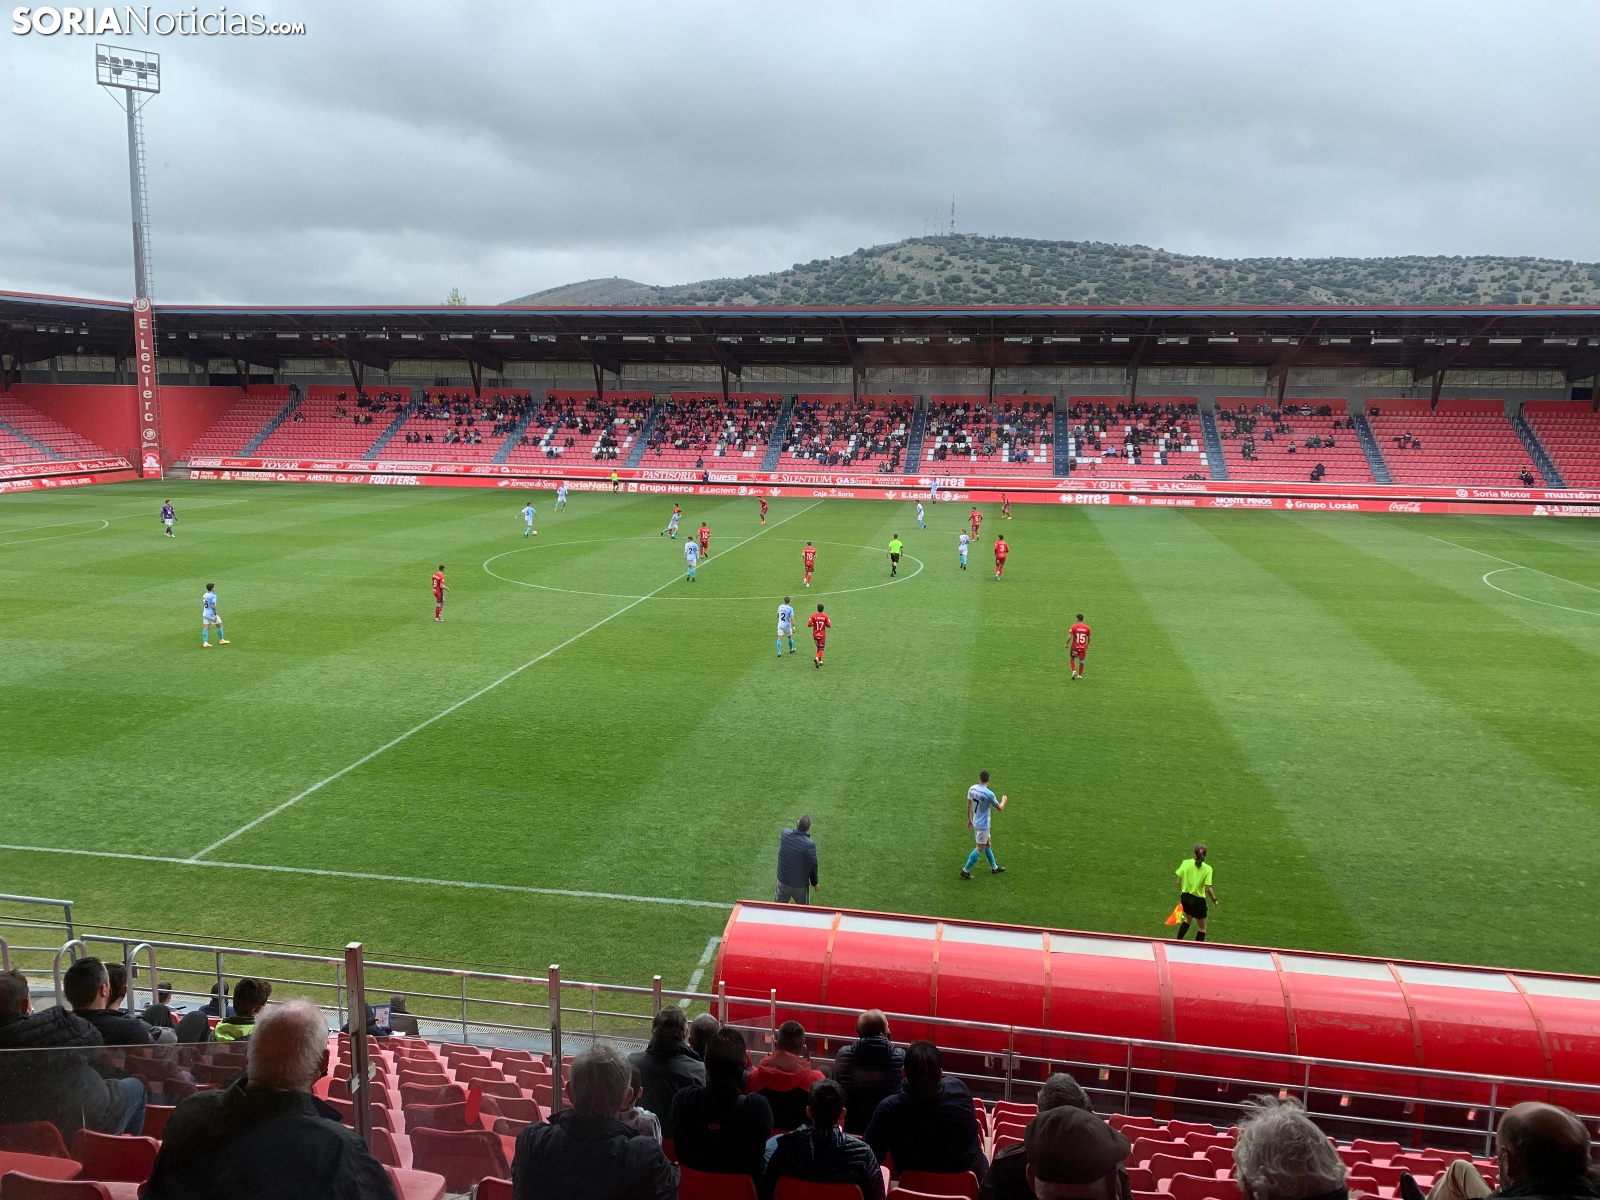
[(483, 691), (374, 877)]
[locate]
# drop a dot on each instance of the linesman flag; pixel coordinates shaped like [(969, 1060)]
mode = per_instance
[(1176, 914)]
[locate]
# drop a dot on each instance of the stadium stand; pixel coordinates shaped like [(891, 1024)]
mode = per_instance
[(867, 434), (452, 425), (1569, 430), (28, 436), (1158, 439), (1012, 437), (1262, 441), (577, 427), (335, 422), (240, 424), (1462, 443), (694, 427)]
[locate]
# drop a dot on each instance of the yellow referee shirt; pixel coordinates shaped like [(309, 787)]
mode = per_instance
[(1195, 879)]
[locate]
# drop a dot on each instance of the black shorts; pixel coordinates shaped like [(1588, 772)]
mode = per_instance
[(894, 558), (1193, 906)]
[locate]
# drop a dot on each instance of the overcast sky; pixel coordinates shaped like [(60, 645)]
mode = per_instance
[(398, 150)]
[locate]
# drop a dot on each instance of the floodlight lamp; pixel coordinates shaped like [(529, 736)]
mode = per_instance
[(113, 66)]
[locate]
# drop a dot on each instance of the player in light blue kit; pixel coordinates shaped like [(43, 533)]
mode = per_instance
[(921, 524), (785, 625), (961, 544), (561, 496), (529, 512), (672, 524), (208, 618), (980, 803), (691, 555)]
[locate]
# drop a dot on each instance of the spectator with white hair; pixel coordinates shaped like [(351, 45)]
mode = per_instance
[(1281, 1155), (585, 1152), (266, 1136)]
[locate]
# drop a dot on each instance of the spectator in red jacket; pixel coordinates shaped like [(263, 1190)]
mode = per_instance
[(785, 1077)]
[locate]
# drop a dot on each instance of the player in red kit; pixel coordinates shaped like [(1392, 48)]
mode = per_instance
[(977, 519), (1078, 646), (809, 555), (1005, 506), (820, 624), (763, 510), (439, 590), (1000, 552), (705, 540)]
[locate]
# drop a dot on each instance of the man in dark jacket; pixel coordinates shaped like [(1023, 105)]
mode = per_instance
[(929, 1125), (1007, 1178), (797, 864), (868, 1069), (717, 1127), (821, 1152), (584, 1152), (58, 1085), (266, 1136), (88, 988), (1543, 1152), (667, 1063)]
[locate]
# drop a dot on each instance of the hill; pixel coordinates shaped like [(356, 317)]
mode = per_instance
[(996, 270)]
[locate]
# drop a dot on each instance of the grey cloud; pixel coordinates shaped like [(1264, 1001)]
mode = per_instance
[(402, 149)]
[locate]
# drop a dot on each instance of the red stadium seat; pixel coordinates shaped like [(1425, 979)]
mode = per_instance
[(391, 1149), (462, 1156), (416, 1185), (414, 1094), (942, 1183), (800, 1189), (155, 1119), (704, 1185), (490, 1188), (115, 1158), (39, 1166), (17, 1186), (1198, 1187), (449, 1117), (1144, 1149), (1165, 1166), (33, 1137)]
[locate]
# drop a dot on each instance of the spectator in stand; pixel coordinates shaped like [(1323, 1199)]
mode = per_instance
[(1543, 1152), (821, 1152), (1281, 1155), (701, 1030), (401, 1021), (219, 1001), (868, 1069), (1008, 1174), (667, 1064), (250, 996), (797, 864), (67, 1090), (640, 1120), (785, 1076), (265, 1135), (929, 1125), (88, 988), (584, 1152), (1074, 1155), (158, 1013), (718, 1127)]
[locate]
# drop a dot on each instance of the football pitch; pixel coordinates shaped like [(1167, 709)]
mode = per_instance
[(1384, 726)]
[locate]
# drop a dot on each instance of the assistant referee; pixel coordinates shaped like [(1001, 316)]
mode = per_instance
[(1194, 885)]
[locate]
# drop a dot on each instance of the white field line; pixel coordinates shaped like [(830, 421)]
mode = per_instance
[(700, 971), (1519, 567), (439, 716), (105, 523), (376, 878)]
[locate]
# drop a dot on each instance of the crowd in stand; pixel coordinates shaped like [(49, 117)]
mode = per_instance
[(565, 419), (1245, 424), (963, 429), (848, 432), (694, 1090), (464, 416), (708, 425), (1130, 432)]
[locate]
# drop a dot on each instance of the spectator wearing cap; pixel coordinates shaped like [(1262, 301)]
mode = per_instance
[(821, 1152), (868, 1069), (1074, 1155), (785, 1076), (718, 1127), (929, 1125), (1008, 1173), (1280, 1155)]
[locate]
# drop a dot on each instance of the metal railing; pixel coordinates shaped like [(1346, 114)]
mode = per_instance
[(998, 1061)]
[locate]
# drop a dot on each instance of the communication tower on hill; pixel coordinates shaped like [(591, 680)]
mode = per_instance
[(952, 216)]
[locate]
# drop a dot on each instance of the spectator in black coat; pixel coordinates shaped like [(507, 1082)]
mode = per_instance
[(88, 988), (1008, 1174), (718, 1127), (266, 1136), (797, 864), (821, 1152), (929, 1125), (158, 1013), (868, 1069), (584, 1152), (67, 1090), (667, 1063)]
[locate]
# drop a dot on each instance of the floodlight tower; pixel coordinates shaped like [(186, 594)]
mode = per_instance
[(131, 78)]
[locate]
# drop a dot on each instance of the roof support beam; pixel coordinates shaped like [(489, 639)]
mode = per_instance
[(1280, 369), (1133, 363), (1437, 364)]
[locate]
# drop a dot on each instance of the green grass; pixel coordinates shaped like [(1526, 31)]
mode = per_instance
[(1386, 755)]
